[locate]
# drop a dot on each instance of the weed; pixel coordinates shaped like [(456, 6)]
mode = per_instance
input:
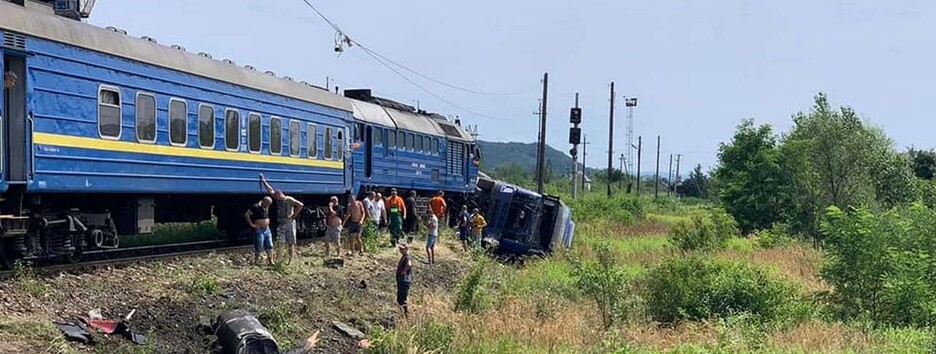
[(27, 280), (605, 283), (204, 284), (472, 295), (709, 230)]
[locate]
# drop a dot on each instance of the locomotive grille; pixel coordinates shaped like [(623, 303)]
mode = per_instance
[(456, 152), (14, 40)]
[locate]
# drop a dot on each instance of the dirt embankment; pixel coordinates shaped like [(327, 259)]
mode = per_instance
[(175, 299)]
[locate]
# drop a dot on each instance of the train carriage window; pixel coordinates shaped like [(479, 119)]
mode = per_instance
[(411, 141), (178, 127), (313, 141), (341, 144), (206, 126), (391, 137), (378, 139), (145, 118), (109, 112), (327, 140), (231, 130), (294, 138), (254, 138), (401, 140), (276, 136), (358, 131)]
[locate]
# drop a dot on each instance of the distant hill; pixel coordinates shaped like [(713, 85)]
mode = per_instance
[(496, 154)]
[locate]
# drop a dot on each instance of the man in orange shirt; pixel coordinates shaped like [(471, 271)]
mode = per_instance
[(438, 206), (396, 212)]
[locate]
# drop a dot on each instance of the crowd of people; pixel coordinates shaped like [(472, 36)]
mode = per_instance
[(401, 217)]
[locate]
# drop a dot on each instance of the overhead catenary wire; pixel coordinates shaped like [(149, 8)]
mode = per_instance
[(386, 62)]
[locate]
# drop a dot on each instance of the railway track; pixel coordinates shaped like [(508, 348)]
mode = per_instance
[(127, 256)]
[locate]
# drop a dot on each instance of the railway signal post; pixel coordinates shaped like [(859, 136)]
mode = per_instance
[(575, 133)]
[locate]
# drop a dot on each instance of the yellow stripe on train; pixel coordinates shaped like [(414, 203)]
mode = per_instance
[(176, 151)]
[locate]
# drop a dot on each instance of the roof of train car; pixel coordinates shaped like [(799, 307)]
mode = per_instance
[(35, 23), (371, 113)]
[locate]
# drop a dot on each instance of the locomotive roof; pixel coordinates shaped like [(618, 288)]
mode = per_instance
[(371, 113), (56, 28)]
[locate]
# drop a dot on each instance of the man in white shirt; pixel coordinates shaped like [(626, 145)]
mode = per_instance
[(374, 208)]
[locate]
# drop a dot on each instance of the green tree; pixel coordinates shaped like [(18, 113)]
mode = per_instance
[(749, 178), (923, 163), (696, 186), (832, 158)]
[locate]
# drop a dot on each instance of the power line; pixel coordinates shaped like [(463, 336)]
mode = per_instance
[(383, 60)]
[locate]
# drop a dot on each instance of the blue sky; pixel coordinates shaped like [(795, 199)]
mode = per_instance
[(697, 67)]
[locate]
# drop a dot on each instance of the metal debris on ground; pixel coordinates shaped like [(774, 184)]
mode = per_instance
[(239, 332), (334, 263), (348, 330), (75, 331)]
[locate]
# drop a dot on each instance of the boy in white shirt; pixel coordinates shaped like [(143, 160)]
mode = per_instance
[(432, 224)]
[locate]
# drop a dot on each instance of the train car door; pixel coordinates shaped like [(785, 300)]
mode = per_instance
[(369, 152), (15, 120), (345, 155)]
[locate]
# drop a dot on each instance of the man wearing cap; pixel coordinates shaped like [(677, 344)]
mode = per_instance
[(396, 212), (404, 276), (287, 210), (409, 224)]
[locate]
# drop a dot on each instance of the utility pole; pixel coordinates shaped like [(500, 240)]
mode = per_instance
[(541, 153), (610, 138), (575, 117), (656, 180), (669, 176), (623, 175), (639, 152), (678, 158)]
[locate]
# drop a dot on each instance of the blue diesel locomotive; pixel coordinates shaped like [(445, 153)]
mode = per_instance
[(104, 135)]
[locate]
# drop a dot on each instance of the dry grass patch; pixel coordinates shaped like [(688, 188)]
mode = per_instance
[(798, 263), (821, 337)]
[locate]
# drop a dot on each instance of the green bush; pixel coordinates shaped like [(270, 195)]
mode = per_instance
[(472, 295), (371, 237), (604, 282), (698, 288), (882, 265), (777, 236), (705, 231), (621, 207)]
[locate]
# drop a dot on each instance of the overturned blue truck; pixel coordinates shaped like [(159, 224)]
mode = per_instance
[(523, 222)]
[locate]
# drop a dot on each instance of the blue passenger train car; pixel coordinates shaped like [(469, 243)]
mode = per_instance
[(103, 134)]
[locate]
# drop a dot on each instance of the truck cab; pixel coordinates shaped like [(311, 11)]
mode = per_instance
[(521, 221)]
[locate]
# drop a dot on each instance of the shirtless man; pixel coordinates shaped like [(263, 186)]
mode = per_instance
[(333, 227), (287, 209), (258, 217), (355, 220)]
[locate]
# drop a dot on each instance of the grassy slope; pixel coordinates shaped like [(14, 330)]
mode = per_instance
[(538, 308)]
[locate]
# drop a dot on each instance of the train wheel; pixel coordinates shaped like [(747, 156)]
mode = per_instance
[(8, 255), (74, 256)]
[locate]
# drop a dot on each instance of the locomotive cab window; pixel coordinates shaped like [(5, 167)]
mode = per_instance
[(313, 141), (178, 132), (253, 133), (145, 108), (411, 142), (391, 139), (276, 135), (109, 112), (231, 130), (206, 127), (434, 146), (327, 139), (378, 138), (401, 140), (294, 141)]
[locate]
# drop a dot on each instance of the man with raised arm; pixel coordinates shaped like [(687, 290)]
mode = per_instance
[(287, 210)]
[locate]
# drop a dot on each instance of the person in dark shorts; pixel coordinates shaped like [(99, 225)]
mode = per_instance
[(258, 217), (333, 226), (354, 218), (404, 276), (410, 224), (464, 223)]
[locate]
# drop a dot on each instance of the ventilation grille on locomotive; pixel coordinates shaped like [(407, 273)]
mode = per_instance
[(456, 161), (14, 40)]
